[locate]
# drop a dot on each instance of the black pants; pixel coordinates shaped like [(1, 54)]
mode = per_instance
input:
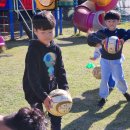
[(55, 120)]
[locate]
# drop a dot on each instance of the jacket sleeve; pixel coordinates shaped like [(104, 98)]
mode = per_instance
[(33, 74), (95, 38), (60, 72), (97, 53), (124, 34)]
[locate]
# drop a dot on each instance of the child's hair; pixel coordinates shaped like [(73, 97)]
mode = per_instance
[(112, 15), (26, 119), (44, 20)]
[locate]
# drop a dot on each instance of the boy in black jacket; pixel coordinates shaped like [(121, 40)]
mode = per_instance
[(44, 68)]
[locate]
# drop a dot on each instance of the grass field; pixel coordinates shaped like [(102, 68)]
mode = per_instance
[(85, 115)]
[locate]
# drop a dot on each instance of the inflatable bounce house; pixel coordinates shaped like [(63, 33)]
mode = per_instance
[(90, 14)]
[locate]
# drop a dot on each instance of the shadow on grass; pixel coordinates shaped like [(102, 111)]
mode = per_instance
[(92, 115), (17, 43), (5, 55), (62, 42), (72, 41), (122, 120)]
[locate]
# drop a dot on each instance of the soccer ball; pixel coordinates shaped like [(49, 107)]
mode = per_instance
[(112, 44), (97, 72), (61, 102)]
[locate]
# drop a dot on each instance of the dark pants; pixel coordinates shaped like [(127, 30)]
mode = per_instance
[(55, 120)]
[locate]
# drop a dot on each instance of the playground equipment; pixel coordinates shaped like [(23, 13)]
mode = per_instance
[(90, 14), (13, 9), (65, 3), (58, 13), (23, 11), (46, 4), (5, 5)]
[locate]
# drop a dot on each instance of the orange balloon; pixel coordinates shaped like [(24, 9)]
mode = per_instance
[(101, 2)]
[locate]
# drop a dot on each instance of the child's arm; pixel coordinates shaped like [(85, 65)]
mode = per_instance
[(92, 40), (31, 78), (97, 54), (124, 35), (60, 72), (96, 38), (47, 102)]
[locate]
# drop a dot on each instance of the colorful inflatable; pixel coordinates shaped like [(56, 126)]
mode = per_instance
[(90, 14), (85, 19), (105, 5), (46, 4)]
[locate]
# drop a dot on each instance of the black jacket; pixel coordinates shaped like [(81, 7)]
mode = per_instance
[(96, 38), (36, 81)]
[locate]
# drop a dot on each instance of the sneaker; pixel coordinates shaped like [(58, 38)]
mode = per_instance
[(127, 96), (102, 102)]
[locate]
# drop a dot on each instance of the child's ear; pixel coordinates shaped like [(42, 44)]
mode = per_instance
[(117, 21), (35, 31)]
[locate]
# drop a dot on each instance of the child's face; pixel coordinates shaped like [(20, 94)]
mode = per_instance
[(111, 24), (44, 36)]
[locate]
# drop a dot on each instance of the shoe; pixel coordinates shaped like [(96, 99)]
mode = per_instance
[(102, 102), (127, 96)]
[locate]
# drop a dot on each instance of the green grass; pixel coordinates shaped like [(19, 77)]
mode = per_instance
[(85, 115)]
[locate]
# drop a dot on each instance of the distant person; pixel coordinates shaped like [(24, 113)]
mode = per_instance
[(111, 63), (44, 68)]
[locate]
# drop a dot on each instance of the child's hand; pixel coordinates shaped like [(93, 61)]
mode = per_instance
[(90, 31), (47, 102), (122, 41), (92, 58)]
